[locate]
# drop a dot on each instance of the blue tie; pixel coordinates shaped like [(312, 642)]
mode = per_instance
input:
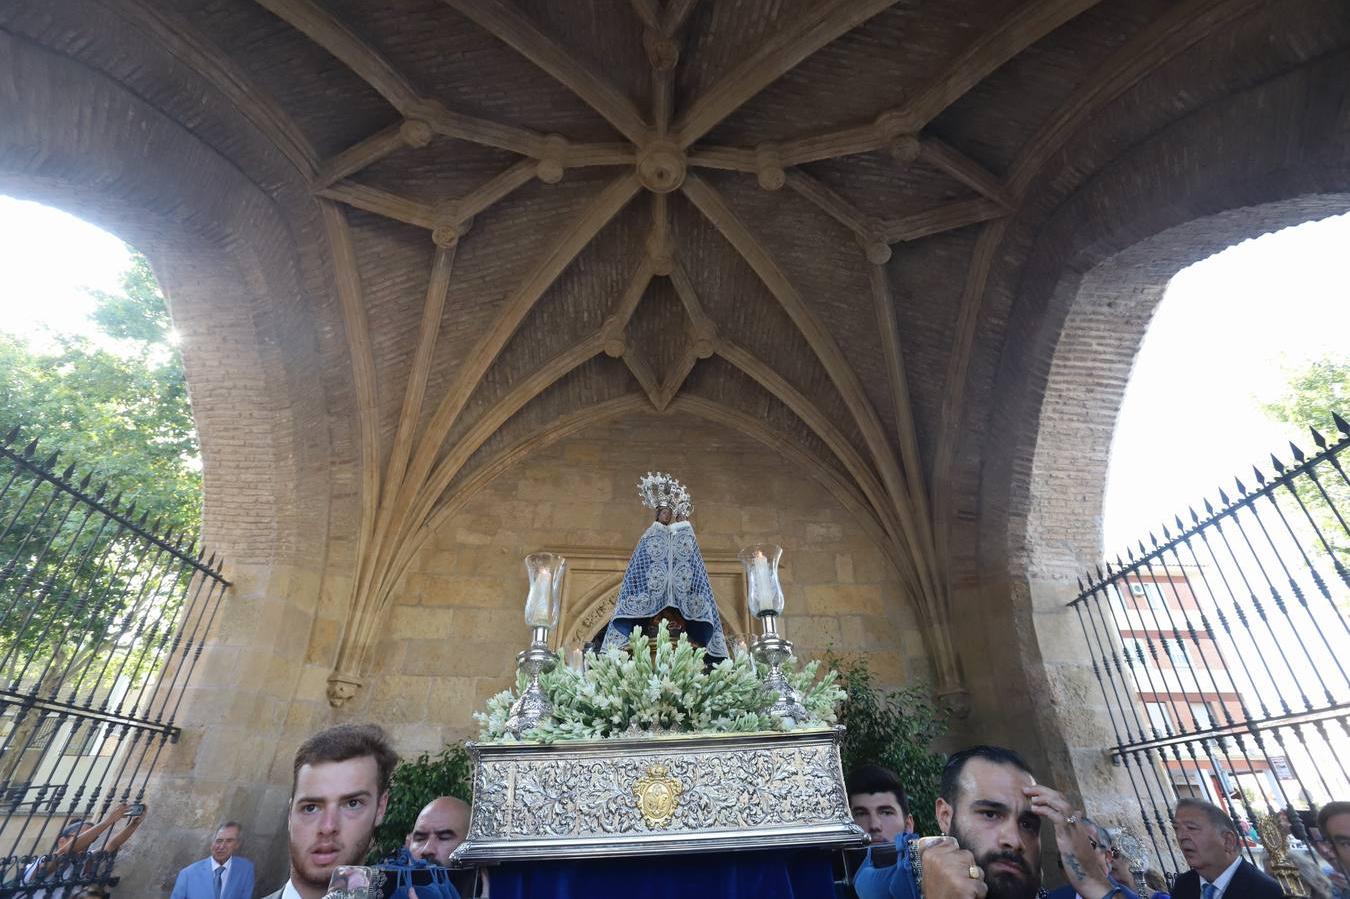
[(220, 872), (1209, 891)]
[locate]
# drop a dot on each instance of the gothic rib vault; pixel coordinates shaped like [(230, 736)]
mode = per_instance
[(651, 257), (782, 218), (873, 466)]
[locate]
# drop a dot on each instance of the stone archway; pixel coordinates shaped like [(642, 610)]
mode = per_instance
[(231, 269), (1076, 315)]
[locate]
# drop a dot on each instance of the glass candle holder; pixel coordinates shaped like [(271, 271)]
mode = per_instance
[(543, 604), (762, 590)]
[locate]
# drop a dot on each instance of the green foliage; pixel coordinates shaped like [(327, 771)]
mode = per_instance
[(124, 414), (1311, 397), (118, 408), (413, 785), (894, 729), (636, 692)]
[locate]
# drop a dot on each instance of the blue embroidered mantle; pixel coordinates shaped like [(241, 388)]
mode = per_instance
[(667, 571)]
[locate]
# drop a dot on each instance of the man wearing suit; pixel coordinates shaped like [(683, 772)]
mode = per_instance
[(224, 875), (1209, 841)]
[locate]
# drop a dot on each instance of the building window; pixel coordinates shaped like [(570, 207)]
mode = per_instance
[(1178, 652), (1151, 592), (1158, 717)]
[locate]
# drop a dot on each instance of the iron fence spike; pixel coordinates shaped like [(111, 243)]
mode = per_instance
[(1296, 452), (102, 488), (1153, 539), (1223, 497), (1167, 534), (84, 484), (30, 449), (1242, 488), (1195, 519), (69, 472), (1279, 466), (1318, 438), (1341, 424), (141, 523), (1080, 583), (51, 460), (12, 436), (1180, 527), (1209, 508), (1099, 571), (1260, 478)]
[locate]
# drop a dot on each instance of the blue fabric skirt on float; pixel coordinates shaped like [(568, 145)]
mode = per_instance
[(773, 874)]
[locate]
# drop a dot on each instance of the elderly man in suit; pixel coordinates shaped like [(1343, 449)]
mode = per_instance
[(225, 875), (1209, 841)]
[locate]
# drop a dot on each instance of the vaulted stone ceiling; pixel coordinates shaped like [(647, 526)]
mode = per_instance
[(781, 217)]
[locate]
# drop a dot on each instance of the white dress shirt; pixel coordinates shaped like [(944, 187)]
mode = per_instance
[(1221, 882), (290, 892), (225, 876)]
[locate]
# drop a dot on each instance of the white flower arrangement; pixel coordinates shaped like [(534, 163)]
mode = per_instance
[(630, 694)]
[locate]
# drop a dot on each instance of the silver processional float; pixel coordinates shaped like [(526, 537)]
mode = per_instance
[(655, 744)]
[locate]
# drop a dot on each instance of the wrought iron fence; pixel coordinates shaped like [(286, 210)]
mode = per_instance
[(102, 621), (1221, 649)]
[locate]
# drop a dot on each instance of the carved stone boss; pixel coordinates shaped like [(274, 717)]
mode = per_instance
[(657, 795)]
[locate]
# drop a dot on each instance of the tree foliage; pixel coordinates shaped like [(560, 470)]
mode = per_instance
[(122, 413), (894, 729), (413, 785), (1314, 394), (114, 411)]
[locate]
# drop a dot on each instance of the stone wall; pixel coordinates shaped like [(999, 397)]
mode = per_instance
[(457, 624)]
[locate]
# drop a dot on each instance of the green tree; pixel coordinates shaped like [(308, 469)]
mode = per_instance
[(1313, 395), (75, 594), (894, 729), (416, 783), (124, 413)]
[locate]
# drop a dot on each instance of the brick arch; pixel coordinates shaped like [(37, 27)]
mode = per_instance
[(76, 139), (1095, 268), (225, 260)]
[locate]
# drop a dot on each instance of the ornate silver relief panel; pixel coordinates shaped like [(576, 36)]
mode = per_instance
[(658, 795)]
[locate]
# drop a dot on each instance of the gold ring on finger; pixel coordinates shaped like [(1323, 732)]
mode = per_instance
[(975, 872), (1071, 819)]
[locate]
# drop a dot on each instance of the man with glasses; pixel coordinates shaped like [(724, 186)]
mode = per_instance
[(1334, 823)]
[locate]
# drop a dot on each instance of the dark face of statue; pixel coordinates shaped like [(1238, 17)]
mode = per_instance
[(664, 515)]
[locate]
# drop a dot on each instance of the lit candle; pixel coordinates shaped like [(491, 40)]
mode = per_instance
[(537, 603), (761, 582)]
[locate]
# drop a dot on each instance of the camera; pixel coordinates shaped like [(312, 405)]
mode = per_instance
[(362, 882)]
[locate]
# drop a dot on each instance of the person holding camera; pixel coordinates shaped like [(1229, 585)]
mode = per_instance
[(990, 810), (70, 857)]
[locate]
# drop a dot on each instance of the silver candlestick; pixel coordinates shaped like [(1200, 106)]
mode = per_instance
[(774, 650), (532, 706), (765, 597), (542, 608)]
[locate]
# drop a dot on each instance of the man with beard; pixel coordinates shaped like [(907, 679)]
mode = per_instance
[(339, 790), (441, 826), (990, 810)]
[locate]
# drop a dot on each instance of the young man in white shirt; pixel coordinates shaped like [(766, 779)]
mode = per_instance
[(339, 790)]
